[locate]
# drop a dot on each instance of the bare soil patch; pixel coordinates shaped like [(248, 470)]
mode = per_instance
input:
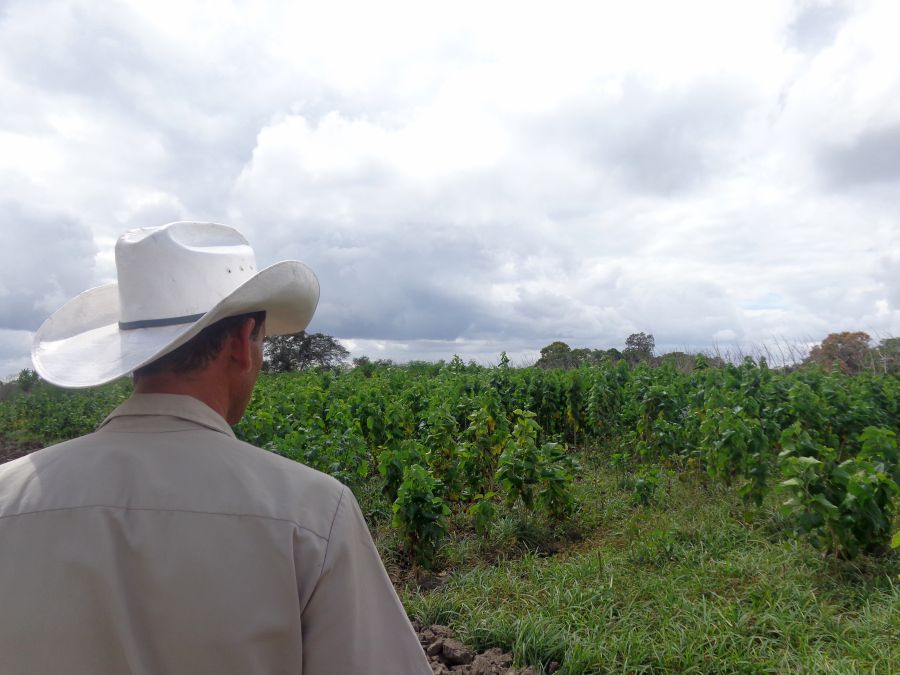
[(10, 450), (448, 655)]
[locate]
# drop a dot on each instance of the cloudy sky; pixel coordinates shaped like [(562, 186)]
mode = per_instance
[(470, 177)]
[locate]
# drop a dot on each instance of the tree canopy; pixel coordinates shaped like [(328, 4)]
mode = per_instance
[(887, 355), (301, 351), (849, 350), (639, 347), (556, 355), (560, 355)]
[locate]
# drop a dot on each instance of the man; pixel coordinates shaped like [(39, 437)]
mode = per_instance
[(160, 543)]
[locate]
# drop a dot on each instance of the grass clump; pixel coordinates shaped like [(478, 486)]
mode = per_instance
[(677, 586)]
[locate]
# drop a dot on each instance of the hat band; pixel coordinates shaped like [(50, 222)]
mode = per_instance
[(154, 323)]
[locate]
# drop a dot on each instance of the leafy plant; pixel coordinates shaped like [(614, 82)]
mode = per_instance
[(539, 476), (393, 462), (734, 443), (420, 513), (478, 455), (646, 485), (843, 507), (556, 475), (483, 512), (519, 469)]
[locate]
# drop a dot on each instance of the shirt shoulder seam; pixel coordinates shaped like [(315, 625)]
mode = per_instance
[(330, 530), (190, 426), (161, 510)]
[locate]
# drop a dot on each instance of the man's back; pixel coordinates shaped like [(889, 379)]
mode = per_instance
[(161, 544)]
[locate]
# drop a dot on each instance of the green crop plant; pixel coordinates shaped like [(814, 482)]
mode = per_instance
[(478, 455), (539, 476), (420, 513), (645, 485), (557, 472), (520, 465), (438, 432), (734, 443), (844, 507), (483, 511), (392, 461)]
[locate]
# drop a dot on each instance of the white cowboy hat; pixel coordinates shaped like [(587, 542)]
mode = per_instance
[(173, 281)]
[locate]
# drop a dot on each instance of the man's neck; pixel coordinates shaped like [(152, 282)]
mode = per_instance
[(198, 387)]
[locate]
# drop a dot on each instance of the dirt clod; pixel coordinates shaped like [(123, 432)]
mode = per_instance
[(455, 653), (449, 656)]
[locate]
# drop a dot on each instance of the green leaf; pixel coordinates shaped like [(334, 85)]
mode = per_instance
[(827, 505), (807, 461)]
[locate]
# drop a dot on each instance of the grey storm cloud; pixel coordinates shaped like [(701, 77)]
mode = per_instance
[(411, 314), (396, 286), (432, 283), (873, 157), (46, 259)]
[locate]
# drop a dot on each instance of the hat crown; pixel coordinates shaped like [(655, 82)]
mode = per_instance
[(179, 270)]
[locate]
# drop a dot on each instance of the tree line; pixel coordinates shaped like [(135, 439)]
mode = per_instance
[(852, 352)]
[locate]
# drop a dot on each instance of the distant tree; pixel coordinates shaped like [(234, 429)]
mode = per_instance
[(849, 350), (364, 365), (556, 355), (639, 347), (682, 361), (27, 379), (887, 355), (367, 366), (300, 351), (613, 354), (420, 368), (594, 357), (582, 356), (8, 390)]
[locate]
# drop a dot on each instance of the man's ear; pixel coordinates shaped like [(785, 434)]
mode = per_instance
[(241, 344)]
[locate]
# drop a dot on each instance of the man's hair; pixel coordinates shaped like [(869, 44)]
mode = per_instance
[(200, 350)]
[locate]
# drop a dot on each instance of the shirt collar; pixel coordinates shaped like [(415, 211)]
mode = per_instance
[(171, 405)]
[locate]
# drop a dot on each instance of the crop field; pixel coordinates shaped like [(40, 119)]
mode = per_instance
[(608, 518)]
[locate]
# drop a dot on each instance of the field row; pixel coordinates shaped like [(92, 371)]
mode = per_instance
[(446, 439)]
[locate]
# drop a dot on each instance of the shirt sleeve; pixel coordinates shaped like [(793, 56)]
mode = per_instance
[(354, 621)]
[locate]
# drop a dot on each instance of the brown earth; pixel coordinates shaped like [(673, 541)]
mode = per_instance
[(11, 450), (448, 655)]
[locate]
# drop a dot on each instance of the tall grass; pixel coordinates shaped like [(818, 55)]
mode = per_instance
[(693, 583)]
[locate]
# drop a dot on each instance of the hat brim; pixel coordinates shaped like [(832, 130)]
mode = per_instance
[(81, 344)]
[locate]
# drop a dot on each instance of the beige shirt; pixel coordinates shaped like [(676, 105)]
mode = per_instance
[(161, 544)]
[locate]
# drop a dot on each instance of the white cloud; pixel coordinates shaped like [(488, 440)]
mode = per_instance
[(473, 177)]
